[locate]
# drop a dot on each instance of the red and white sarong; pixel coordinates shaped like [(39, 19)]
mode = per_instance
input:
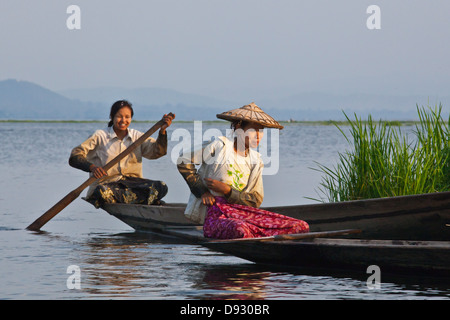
[(230, 221)]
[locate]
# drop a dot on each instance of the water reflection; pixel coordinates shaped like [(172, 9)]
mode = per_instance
[(147, 266), (116, 265), (239, 283), (132, 265)]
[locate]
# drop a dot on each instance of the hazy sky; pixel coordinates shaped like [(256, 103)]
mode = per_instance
[(230, 48)]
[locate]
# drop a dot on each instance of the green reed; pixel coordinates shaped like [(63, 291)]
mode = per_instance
[(384, 162)]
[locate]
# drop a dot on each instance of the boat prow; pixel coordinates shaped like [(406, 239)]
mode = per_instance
[(150, 217)]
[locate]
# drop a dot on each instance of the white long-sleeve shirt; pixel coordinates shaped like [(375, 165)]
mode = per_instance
[(219, 161), (104, 145)]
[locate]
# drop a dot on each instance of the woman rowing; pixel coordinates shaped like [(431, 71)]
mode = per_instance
[(124, 182), (227, 190)]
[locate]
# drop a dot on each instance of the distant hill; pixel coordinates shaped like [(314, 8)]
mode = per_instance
[(324, 106), (22, 100), (145, 96), (28, 101), (305, 106), (151, 103)]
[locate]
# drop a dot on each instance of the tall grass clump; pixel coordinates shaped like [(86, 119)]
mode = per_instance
[(384, 162)]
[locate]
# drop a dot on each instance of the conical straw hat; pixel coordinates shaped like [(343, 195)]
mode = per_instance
[(252, 113)]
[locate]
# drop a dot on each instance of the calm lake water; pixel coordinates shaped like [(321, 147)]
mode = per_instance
[(118, 263)]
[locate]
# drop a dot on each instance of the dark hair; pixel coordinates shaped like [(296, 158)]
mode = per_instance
[(240, 123), (116, 107)]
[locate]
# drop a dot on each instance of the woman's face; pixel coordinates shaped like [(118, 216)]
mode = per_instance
[(253, 133), (122, 119)]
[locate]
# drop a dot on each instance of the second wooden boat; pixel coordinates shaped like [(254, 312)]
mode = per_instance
[(330, 250)]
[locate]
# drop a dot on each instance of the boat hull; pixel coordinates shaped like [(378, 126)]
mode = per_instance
[(145, 217), (331, 251), (425, 257), (355, 251), (415, 217), (419, 217)]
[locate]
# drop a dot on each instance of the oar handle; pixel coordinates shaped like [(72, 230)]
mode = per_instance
[(64, 202)]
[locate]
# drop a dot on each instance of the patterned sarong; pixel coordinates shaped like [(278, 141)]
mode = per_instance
[(230, 221)]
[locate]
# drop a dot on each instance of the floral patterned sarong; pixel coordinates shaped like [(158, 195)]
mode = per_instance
[(230, 221)]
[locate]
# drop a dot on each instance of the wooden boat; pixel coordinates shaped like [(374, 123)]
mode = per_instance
[(417, 217), (392, 256), (414, 217), (145, 217), (343, 249), (330, 250)]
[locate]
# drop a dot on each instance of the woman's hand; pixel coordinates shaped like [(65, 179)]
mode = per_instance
[(208, 199), (167, 118), (217, 186), (98, 171)]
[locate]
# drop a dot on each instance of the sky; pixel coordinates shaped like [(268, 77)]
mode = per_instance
[(230, 49)]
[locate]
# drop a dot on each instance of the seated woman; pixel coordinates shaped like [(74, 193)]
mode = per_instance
[(124, 182), (227, 190)]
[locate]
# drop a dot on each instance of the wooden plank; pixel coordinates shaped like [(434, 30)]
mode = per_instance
[(296, 236)]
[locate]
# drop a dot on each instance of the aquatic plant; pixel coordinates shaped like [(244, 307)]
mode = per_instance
[(384, 162)]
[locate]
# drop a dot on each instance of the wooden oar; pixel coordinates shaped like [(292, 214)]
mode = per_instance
[(297, 236), (71, 196)]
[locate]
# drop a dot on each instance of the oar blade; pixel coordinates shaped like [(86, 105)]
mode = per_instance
[(53, 211)]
